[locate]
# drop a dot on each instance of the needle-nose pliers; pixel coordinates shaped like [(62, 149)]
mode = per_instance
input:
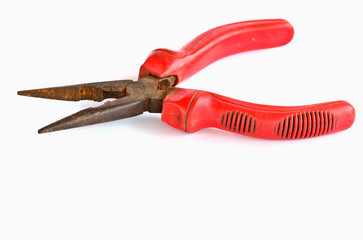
[(191, 110)]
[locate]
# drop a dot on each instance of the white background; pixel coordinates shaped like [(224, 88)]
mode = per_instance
[(139, 178)]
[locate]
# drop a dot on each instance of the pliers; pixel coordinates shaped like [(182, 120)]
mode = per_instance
[(190, 110)]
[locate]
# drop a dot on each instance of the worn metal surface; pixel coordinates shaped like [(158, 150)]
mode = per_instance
[(132, 99)]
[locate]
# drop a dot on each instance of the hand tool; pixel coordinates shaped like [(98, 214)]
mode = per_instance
[(191, 110)]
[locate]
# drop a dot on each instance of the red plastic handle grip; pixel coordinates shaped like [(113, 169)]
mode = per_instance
[(191, 110), (215, 44)]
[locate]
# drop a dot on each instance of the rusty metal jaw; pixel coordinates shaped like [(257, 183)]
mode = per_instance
[(153, 90), (97, 91), (132, 99), (109, 111)]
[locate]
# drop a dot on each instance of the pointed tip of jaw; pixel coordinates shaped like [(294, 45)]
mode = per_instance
[(40, 93), (22, 93), (53, 127), (44, 130), (50, 128)]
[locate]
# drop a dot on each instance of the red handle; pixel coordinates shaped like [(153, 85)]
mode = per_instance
[(215, 44), (191, 110)]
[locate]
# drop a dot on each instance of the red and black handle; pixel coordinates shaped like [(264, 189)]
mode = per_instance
[(191, 110)]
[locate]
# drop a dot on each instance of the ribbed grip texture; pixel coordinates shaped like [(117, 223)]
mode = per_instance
[(305, 125), (238, 122)]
